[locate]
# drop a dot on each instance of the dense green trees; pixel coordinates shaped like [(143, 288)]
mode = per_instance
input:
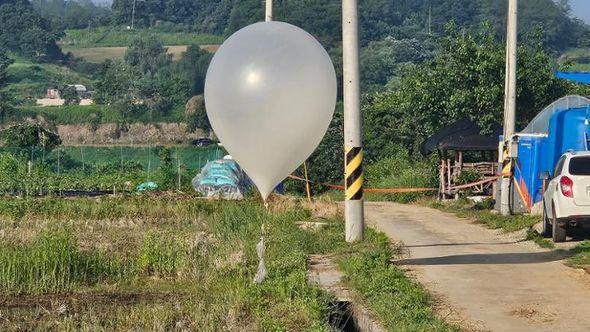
[(5, 106), (382, 60), (193, 66), (465, 79), (148, 82), (23, 31), (379, 19), (78, 14), (29, 135)]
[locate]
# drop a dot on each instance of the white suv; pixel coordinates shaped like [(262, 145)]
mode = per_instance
[(566, 200)]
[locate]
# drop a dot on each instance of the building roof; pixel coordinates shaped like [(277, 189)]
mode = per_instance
[(463, 135), (578, 77)]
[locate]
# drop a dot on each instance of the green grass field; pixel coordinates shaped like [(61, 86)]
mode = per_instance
[(113, 37), (91, 114), (101, 54), (173, 262)]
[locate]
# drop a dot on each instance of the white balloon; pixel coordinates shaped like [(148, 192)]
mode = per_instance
[(270, 95)]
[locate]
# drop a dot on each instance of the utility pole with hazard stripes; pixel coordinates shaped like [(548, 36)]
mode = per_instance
[(509, 106), (268, 16), (353, 172)]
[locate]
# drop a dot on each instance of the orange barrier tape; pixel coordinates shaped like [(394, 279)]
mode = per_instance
[(370, 190)]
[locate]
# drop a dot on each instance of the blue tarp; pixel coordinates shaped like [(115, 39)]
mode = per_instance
[(222, 178), (583, 78)]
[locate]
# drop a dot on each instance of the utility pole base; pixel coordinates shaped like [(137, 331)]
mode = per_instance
[(354, 215), (505, 197)]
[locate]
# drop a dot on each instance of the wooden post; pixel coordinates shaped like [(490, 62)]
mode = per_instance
[(449, 177), (441, 176), (307, 186), (460, 162)]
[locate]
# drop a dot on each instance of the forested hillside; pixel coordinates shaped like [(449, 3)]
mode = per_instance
[(24, 31), (78, 14), (424, 63), (379, 18)]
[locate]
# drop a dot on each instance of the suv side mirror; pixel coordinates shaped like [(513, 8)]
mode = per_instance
[(545, 175)]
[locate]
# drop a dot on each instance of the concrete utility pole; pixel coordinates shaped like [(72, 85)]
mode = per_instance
[(353, 206), (268, 16), (133, 15), (509, 101)]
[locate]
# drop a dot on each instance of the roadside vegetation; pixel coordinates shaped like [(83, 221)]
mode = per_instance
[(168, 261), (580, 256), (482, 213)]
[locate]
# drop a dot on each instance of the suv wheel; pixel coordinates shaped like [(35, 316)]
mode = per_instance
[(559, 229), (547, 227)]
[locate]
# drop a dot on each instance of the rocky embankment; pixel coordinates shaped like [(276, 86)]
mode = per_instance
[(124, 134)]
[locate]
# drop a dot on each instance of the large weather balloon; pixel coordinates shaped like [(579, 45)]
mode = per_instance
[(270, 95)]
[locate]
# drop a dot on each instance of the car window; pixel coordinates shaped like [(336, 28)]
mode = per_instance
[(580, 165), (559, 166)]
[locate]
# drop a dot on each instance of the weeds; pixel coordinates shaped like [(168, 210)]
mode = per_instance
[(581, 256), (187, 264), (532, 235), (401, 303), (465, 209), (52, 263)]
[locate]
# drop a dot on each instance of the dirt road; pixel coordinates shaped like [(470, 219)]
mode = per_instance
[(486, 281)]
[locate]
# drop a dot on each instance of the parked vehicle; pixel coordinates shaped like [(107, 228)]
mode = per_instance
[(202, 142), (566, 201)]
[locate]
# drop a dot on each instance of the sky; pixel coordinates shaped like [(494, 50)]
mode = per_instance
[(581, 9)]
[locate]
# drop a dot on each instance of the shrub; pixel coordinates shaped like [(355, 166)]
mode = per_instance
[(402, 171)]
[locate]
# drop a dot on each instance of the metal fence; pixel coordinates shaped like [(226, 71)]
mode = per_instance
[(99, 168)]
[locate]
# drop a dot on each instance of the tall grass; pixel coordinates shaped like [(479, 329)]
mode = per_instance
[(52, 263), (401, 171), (162, 255), (191, 264)]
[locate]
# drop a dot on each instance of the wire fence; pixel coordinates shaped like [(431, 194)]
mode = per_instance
[(42, 171)]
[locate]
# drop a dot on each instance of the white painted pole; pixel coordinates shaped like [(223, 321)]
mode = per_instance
[(353, 206), (269, 14), (512, 40), (133, 15), (510, 97)]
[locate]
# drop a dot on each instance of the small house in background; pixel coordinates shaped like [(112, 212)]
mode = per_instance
[(53, 96), (81, 90), (464, 150)]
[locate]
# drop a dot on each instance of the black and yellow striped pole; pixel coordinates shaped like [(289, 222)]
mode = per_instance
[(353, 173)]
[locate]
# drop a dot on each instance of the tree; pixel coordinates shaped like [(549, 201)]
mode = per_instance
[(5, 97), (115, 83), (25, 32), (193, 68), (29, 135), (382, 60), (465, 79), (147, 55), (145, 84), (70, 95)]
